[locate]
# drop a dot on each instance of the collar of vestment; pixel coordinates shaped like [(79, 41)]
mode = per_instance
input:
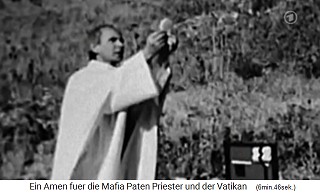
[(100, 64)]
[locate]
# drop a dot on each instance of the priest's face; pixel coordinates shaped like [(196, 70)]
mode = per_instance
[(111, 47)]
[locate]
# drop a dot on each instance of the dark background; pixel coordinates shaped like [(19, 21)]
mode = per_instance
[(240, 73)]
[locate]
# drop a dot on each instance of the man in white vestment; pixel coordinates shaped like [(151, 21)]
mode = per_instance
[(108, 124)]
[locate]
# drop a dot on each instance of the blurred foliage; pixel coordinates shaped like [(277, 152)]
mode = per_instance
[(240, 74)]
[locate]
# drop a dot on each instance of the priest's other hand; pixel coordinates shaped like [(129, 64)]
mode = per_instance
[(155, 42), (173, 43)]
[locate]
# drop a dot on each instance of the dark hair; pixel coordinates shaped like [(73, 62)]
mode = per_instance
[(92, 55), (95, 34)]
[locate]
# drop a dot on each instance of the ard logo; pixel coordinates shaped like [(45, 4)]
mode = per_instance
[(251, 161)]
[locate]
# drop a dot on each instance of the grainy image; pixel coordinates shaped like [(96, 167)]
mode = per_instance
[(241, 73)]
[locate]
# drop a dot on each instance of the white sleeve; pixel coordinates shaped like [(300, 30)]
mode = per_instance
[(133, 84)]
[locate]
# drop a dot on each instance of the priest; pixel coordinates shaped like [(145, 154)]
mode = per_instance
[(110, 110)]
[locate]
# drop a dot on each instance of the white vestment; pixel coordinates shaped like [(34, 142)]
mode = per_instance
[(93, 139)]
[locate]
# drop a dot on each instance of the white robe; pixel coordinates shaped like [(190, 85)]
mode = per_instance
[(94, 117)]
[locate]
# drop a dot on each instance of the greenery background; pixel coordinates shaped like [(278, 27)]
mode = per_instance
[(240, 73)]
